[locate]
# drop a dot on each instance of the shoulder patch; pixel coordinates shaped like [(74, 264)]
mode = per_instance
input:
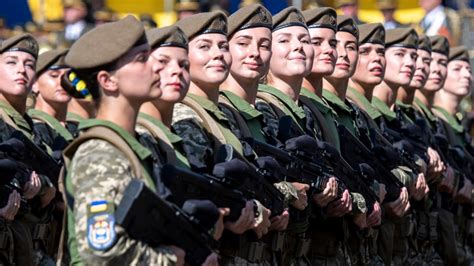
[(100, 225)]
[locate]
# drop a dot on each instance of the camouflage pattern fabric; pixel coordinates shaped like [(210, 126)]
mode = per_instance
[(101, 172)]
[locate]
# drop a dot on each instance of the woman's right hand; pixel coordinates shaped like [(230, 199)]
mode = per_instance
[(9, 211), (329, 193), (245, 221), (302, 202)]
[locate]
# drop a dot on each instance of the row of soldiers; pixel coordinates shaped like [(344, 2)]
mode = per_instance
[(297, 139)]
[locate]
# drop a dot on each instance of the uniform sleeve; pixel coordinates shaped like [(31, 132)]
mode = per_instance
[(270, 118), (197, 146), (99, 174)]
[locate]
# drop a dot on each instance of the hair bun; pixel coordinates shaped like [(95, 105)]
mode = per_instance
[(75, 86)]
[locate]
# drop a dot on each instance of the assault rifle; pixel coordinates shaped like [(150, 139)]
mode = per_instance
[(353, 148), (185, 184), (148, 218)]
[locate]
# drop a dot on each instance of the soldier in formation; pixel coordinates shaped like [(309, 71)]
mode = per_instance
[(303, 138)]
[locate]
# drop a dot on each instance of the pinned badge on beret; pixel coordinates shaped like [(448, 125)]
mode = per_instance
[(101, 225)]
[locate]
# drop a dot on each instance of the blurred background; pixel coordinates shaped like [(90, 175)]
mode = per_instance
[(58, 23)]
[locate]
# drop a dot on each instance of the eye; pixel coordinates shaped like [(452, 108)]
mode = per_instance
[(333, 44), (316, 42), (184, 64), (305, 41), (11, 62), (351, 47), (30, 66), (203, 46), (265, 46), (284, 40), (363, 51), (224, 46), (142, 58)]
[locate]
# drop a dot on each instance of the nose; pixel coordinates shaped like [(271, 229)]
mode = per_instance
[(216, 52), (254, 50), (297, 45), (176, 69)]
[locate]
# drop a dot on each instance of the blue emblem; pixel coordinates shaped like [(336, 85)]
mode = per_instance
[(100, 226)]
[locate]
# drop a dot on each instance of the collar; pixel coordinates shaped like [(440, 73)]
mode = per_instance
[(247, 110), (138, 148), (19, 120), (320, 104), (208, 106), (451, 119), (173, 138), (367, 106), (425, 110), (336, 101), (54, 123), (292, 106), (383, 108), (73, 117)]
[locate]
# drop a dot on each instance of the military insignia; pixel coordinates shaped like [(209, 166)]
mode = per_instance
[(100, 225)]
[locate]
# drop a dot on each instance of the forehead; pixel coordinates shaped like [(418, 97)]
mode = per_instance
[(404, 49), (372, 46), (459, 63), (345, 36), (438, 56), (423, 53), (171, 51), (257, 33), (211, 37), (18, 54), (321, 32), (293, 30)]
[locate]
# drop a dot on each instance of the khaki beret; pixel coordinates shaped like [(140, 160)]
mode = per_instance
[(23, 42), (424, 43), (251, 16), (53, 59), (202, 23), (372, 33), (459, 53), (186, 5), (439, 44), (401, 37), (339, 3), (167, 36), (106, 43), (288, 17), (322, 17), (347, 24), (386, 4)]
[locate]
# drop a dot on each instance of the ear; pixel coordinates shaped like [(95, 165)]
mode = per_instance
[(107, 81), (35, 87)]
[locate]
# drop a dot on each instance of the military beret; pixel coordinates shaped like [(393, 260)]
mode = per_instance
[(322, 17), (372, 33), (53, 59), (167, 36), (439, 44), (202, 23), (386, 4), (250, 17), (459, 53), (339, 3), (24, 42), (105, 44), (347, 24), (401, 37), (288, 17), (424, 43)]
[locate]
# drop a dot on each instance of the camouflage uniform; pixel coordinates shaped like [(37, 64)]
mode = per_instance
[(23, 228), (232, 105), (97, 177), (199, 145)]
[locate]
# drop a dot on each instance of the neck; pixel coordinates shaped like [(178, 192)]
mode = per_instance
[(447, 101), (126, 118), (291, 88), (57, 111), (314, 84), (160, 110), (406, 95), (85, 110), (365, 89), (426, 97), (387, 92), (244, 88), (211, 93), (336, 86), (18, 103)]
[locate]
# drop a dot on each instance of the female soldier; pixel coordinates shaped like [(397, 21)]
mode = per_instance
[(51, 102), (199, 122), (17, 72), (107, 156)]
